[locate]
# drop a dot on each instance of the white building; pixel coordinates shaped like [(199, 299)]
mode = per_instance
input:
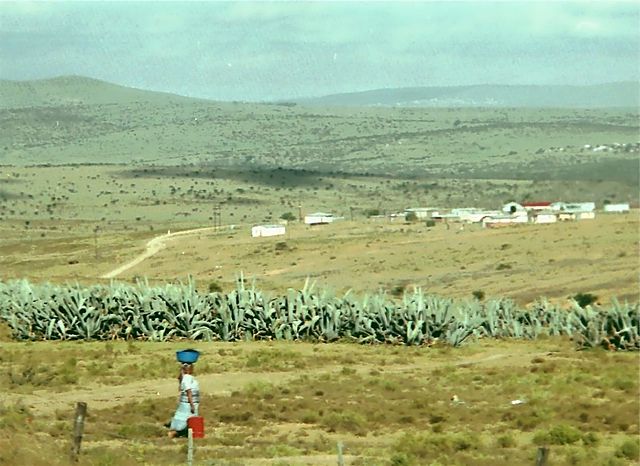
[(580, 206), (618, 208), (422, 213), (319, 218), (479, 216), (545, 217), (512, 207), (503, 220), (267, 230)]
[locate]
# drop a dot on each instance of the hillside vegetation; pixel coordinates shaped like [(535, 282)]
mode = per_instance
[(79, 121), (621, 94)]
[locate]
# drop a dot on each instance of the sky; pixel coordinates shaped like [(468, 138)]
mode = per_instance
[(260, 51)]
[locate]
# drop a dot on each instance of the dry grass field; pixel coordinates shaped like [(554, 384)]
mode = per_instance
[(289, 404), (98, 182), (522, 262)]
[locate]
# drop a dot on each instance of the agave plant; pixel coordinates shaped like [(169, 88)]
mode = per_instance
[(160, 313)]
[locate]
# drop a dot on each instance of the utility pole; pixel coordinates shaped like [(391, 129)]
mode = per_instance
[(95, 240), (217, 217), (300, 213)]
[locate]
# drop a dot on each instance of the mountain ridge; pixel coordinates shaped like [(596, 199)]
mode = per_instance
[(74, 89), (615, 94)]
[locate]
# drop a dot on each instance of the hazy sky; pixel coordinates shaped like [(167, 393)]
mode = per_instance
[(270, 50)]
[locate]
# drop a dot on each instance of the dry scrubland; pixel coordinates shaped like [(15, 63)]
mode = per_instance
[(289, 404), (66, 215), (522, 262)]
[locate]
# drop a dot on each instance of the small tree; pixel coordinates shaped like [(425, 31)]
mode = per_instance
[(288, 216), (585, 299), (410, 217)]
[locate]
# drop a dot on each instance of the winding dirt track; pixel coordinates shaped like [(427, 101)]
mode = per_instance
[(154, 246)]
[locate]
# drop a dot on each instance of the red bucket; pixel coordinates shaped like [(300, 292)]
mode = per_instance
[(196, 424)]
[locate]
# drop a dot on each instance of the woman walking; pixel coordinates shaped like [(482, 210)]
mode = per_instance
[(188, 401)]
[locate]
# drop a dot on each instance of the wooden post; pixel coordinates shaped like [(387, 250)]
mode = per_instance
[(340, 457), (78, 429), (190, 448), (542, 456)]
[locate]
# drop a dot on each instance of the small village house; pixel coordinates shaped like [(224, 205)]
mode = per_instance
[(537, 206), (422, 213), (512, 208), (545, 217), (498, 220), (259, 231), (319, 218), (617, 208)]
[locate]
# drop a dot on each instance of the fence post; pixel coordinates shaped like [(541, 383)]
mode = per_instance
[(78, 429), (190, 448), (340, 457), (542, 456)]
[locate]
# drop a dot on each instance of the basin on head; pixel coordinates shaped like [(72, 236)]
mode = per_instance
[(189, 356)]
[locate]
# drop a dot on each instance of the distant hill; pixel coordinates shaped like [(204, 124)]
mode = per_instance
[(75, 90), (620, 94)]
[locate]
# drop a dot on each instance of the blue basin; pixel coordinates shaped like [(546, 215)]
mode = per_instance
[(188, 355)]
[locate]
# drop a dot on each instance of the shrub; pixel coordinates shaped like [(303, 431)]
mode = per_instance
[(281, 246), (372, 212), (346, 421), (410, 217), (561, 434), (400, 459), (288, 216), (629, 449), (399, 289), (214, 287), (590, 439), (585, 299), (506, 441), (478, 294)]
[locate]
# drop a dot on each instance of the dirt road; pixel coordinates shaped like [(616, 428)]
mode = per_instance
[(154, 246)]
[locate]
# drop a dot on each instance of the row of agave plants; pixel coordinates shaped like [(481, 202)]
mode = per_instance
[(180, 311)]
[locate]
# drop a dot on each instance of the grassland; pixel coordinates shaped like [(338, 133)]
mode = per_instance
[(90, 174), (289, 404)]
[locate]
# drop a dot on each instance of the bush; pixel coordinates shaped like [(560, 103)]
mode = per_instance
[(478, 294), (430, 223), (629, 449), (400, 459), (372, 212), (281, 246), (398, 290), (214, 287), (288, 216), (410, 217), (590, 439), (561, 434), (585, 299), (346, 421), (506, 441)]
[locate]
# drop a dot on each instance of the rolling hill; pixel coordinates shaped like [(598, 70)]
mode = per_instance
[(610, 95), (75, 120), (75, 90)]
